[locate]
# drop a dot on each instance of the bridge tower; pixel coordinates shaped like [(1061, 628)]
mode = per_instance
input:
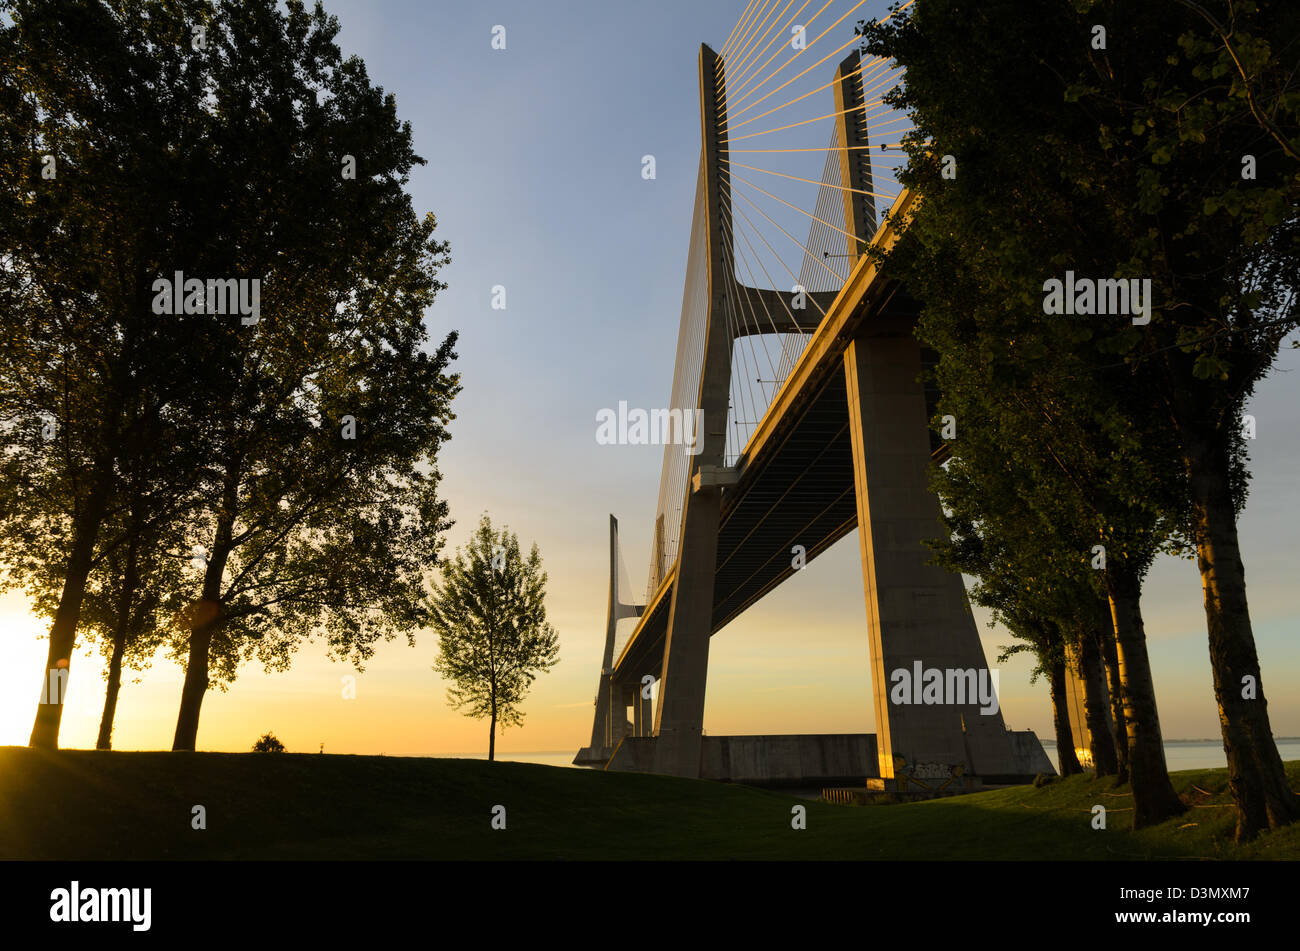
[(679, 717), (917, 614), (614, 696)]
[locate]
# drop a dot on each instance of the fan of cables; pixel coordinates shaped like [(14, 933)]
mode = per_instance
[(781, 152)]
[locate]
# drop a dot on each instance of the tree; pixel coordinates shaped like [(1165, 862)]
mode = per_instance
[(1224, 254), (316, 527), (1142, 157), (136, 581), (1046, 465), (259, 155), (268, 743), (323, 513), (1008, 529), (490, 617), (131, 602), (93, 206)]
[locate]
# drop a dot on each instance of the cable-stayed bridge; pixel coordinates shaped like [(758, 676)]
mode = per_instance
[(799, 358)]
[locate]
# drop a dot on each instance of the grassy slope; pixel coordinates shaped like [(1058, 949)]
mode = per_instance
[(86, 805)]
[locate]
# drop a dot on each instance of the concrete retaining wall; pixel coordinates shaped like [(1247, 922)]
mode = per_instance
[(800, 759), (796, 760), (807, 759)]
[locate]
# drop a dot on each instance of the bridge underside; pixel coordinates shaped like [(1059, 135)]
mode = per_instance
[(848, 439), (797, 490)]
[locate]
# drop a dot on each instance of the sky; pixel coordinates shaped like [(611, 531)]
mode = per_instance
[(534, 173)]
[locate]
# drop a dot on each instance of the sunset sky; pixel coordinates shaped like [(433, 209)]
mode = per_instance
[(534, 161)]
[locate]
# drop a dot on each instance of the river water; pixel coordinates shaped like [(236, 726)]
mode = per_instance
[(1201, 754)]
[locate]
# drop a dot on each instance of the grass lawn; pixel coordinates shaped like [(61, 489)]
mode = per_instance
[(77, 805)]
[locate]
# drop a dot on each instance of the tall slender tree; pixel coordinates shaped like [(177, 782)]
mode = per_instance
[(489, 613)]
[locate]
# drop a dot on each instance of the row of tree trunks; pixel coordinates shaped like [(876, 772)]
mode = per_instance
[(1100, 741), (86, 527), (1154, 798), (63, 632)]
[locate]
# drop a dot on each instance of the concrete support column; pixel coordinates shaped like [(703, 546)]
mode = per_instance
[(640, 708), (627, 698), (645, 715), (679, 720), (915, 611), (606, 727), (601, 730), (618, 701), (603, 725)]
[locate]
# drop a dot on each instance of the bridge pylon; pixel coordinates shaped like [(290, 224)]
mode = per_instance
[(610, 725), (679, 717), (855, 157)]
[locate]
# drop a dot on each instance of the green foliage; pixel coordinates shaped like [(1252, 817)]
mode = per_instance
[(1123, 162), (219, 162), (1073, 431), (490, 617)]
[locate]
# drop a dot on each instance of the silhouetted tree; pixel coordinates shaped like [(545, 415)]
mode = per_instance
[(490, 617), (323, 513), (94, 205), (310, 429), (268, 744)]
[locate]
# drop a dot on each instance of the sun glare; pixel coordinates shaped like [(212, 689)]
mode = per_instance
[(22, 652)]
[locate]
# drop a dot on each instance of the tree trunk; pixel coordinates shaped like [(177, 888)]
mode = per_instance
[(121, 634), (196, 686), (1100, 741), (1066, 760), (1106, 640), (63, 632), (1258, 781), (492, 736), (105, 741), (1154, 798), (206, 620)]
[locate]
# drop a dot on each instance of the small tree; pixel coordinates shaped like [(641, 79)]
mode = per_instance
[(493, 638), (268, 744)]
